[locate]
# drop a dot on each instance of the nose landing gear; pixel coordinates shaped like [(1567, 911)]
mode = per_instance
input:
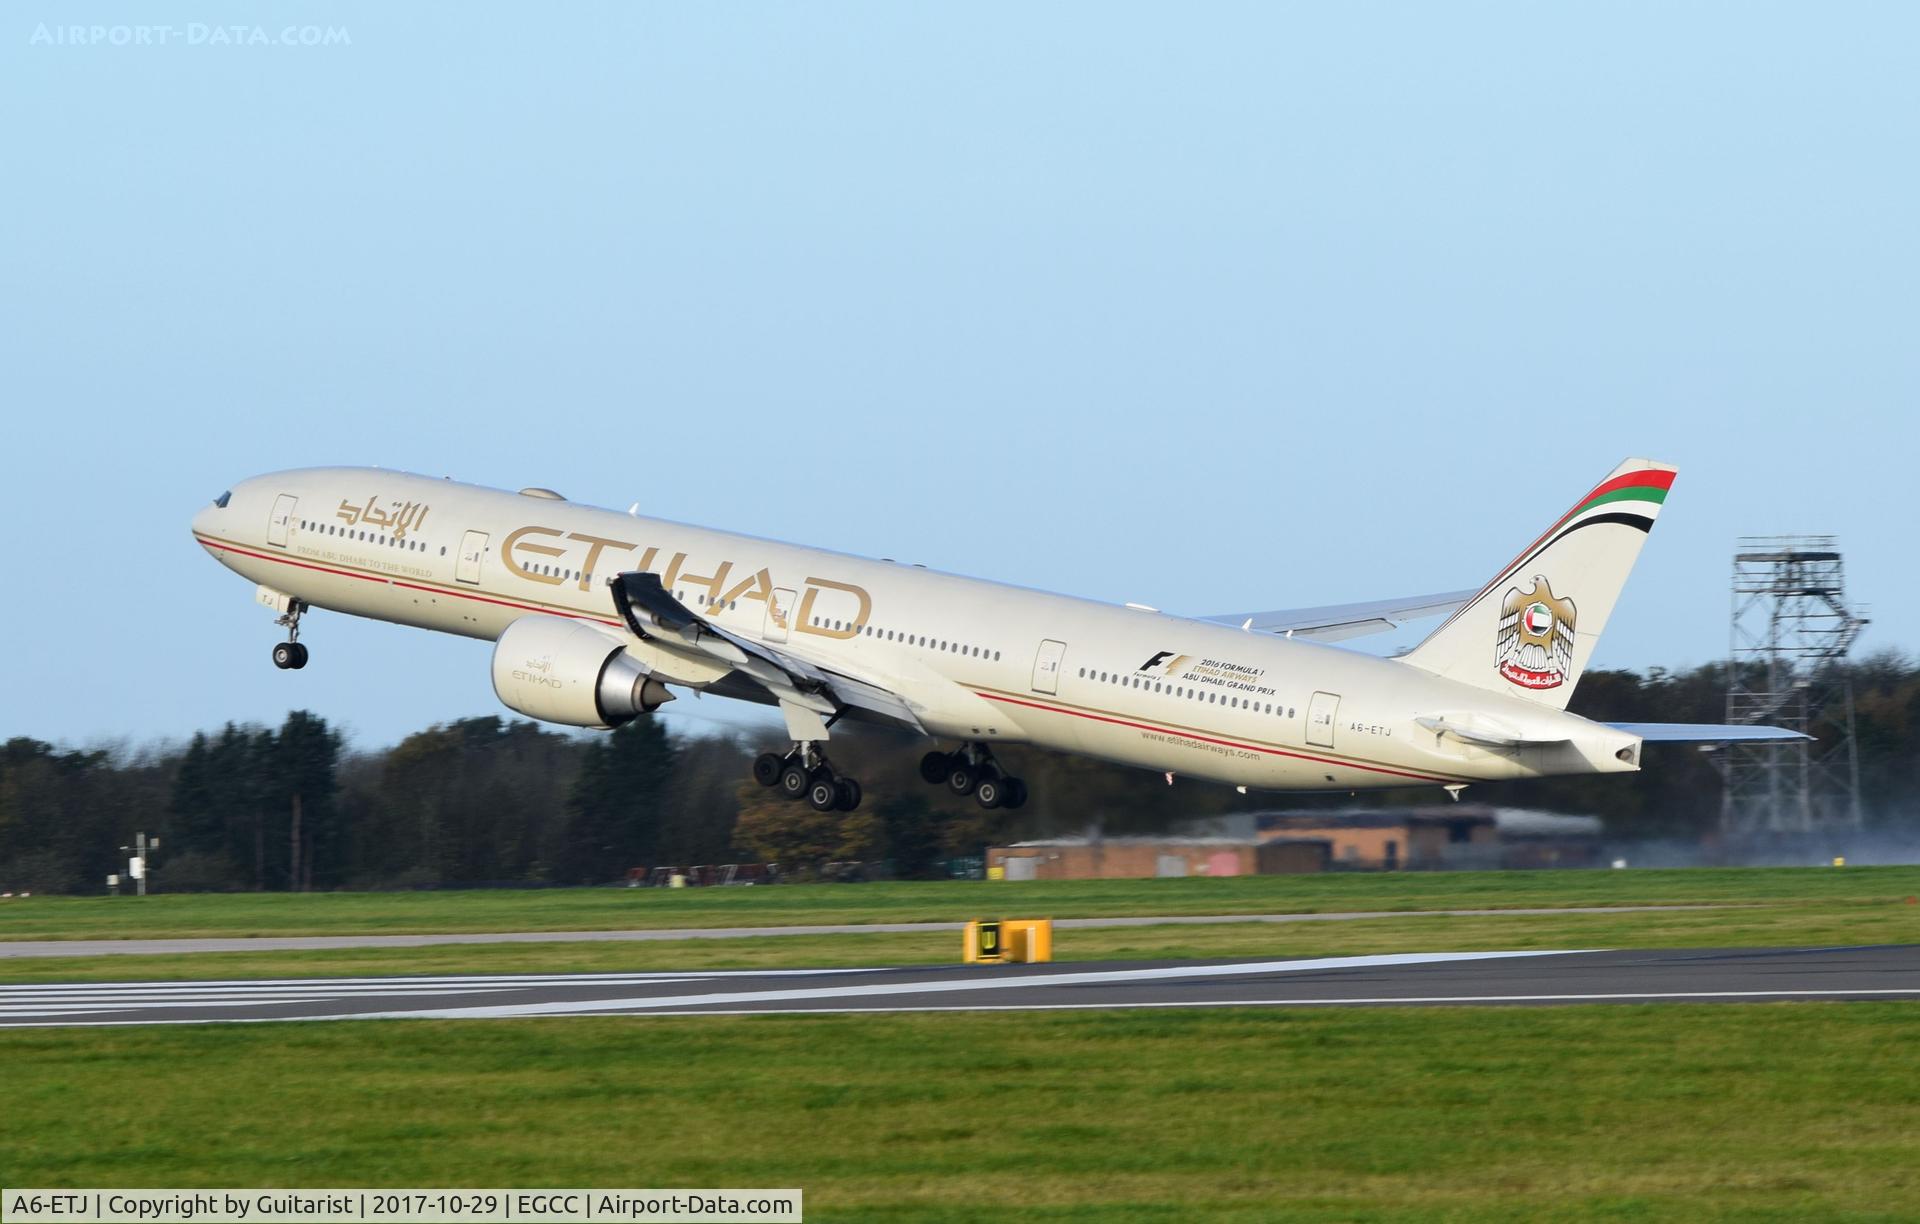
[(290, 655), (973, 771)]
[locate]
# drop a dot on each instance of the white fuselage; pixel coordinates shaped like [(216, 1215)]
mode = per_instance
[(976, 660)]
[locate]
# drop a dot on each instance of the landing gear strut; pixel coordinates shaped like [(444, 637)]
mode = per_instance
[(973, 771), (290, 655), (805, 773)]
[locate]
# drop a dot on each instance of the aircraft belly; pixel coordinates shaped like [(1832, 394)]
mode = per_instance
[(1221, 754), (1115, 738)]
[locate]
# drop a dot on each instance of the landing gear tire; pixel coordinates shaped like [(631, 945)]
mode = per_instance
[(1016, 794), (794, 780), (961, 778), (766, 768), (934, 767), (990, 792), (848, 797), (823, 791), (290, 655)]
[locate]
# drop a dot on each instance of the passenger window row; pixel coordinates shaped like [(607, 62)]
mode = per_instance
[(917, 640), (1209, 697), (368, 537)]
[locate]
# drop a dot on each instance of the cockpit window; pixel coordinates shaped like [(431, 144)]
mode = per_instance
[(222, 500)]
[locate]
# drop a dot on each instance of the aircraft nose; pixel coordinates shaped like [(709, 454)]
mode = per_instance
[(207, 520)]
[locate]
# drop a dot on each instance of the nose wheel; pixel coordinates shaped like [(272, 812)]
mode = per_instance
[(804, 773), (290, 655)]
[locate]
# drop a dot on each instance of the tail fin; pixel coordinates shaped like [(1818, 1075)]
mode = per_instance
[(1530, 631)]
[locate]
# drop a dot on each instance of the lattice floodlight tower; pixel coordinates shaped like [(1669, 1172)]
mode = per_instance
[(1792, 628)]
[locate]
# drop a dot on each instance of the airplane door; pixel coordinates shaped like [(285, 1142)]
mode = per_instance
[(284, 507), (1046, 666), (779, 615), (473, 550), (1320, 713)]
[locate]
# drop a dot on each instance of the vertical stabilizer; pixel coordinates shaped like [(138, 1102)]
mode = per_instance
[(1530, 631)]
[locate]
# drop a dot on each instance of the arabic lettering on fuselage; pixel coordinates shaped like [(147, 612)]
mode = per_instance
[(840, 608), (396, 519)]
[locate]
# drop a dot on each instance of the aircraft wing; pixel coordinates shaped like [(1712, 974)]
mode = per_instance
[(652, 613), (1337, 621)]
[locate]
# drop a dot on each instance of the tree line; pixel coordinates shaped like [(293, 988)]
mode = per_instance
[(485, 801)]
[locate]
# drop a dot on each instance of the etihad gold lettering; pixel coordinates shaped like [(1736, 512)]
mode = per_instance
[(546, 550), (396, 520), (759, 586), (552, 542), (673, 577), (850, 627), (595, 546)]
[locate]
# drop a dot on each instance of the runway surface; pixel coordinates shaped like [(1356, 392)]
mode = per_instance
[(301, 943), (1429, 979)]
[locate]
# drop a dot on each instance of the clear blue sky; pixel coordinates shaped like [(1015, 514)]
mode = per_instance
[(1210, 307)]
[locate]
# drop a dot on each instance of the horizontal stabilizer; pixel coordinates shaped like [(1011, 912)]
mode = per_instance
[(1704, 733)]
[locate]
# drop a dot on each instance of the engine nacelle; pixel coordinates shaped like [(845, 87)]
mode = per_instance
[(567, 671)]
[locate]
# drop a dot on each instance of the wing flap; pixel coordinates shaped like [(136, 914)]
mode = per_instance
[(651, 612)]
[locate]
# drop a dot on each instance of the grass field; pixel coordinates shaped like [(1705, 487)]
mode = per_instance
[(1726, 1112), (166, 916), (1747, 1112)]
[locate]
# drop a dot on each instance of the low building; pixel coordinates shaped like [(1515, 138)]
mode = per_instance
[(1120, 858), (1454, 835), (1387, 839)]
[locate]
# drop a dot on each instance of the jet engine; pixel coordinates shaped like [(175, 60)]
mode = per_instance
[(567, 671)]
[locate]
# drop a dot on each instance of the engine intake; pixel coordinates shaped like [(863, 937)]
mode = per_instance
[(567, 671)]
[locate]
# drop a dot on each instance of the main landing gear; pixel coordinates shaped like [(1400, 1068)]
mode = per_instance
[(973, 771), (804, 773), (290, 655)]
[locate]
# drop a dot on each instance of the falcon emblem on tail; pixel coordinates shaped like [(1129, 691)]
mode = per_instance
[(1533, 646)]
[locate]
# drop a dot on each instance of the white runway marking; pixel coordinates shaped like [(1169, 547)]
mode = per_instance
[(581, 1007), (66, 999), (1404, 1000), (1474, 978), (454, 980)]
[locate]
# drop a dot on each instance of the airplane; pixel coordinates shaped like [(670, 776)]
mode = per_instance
[(597, 617)]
